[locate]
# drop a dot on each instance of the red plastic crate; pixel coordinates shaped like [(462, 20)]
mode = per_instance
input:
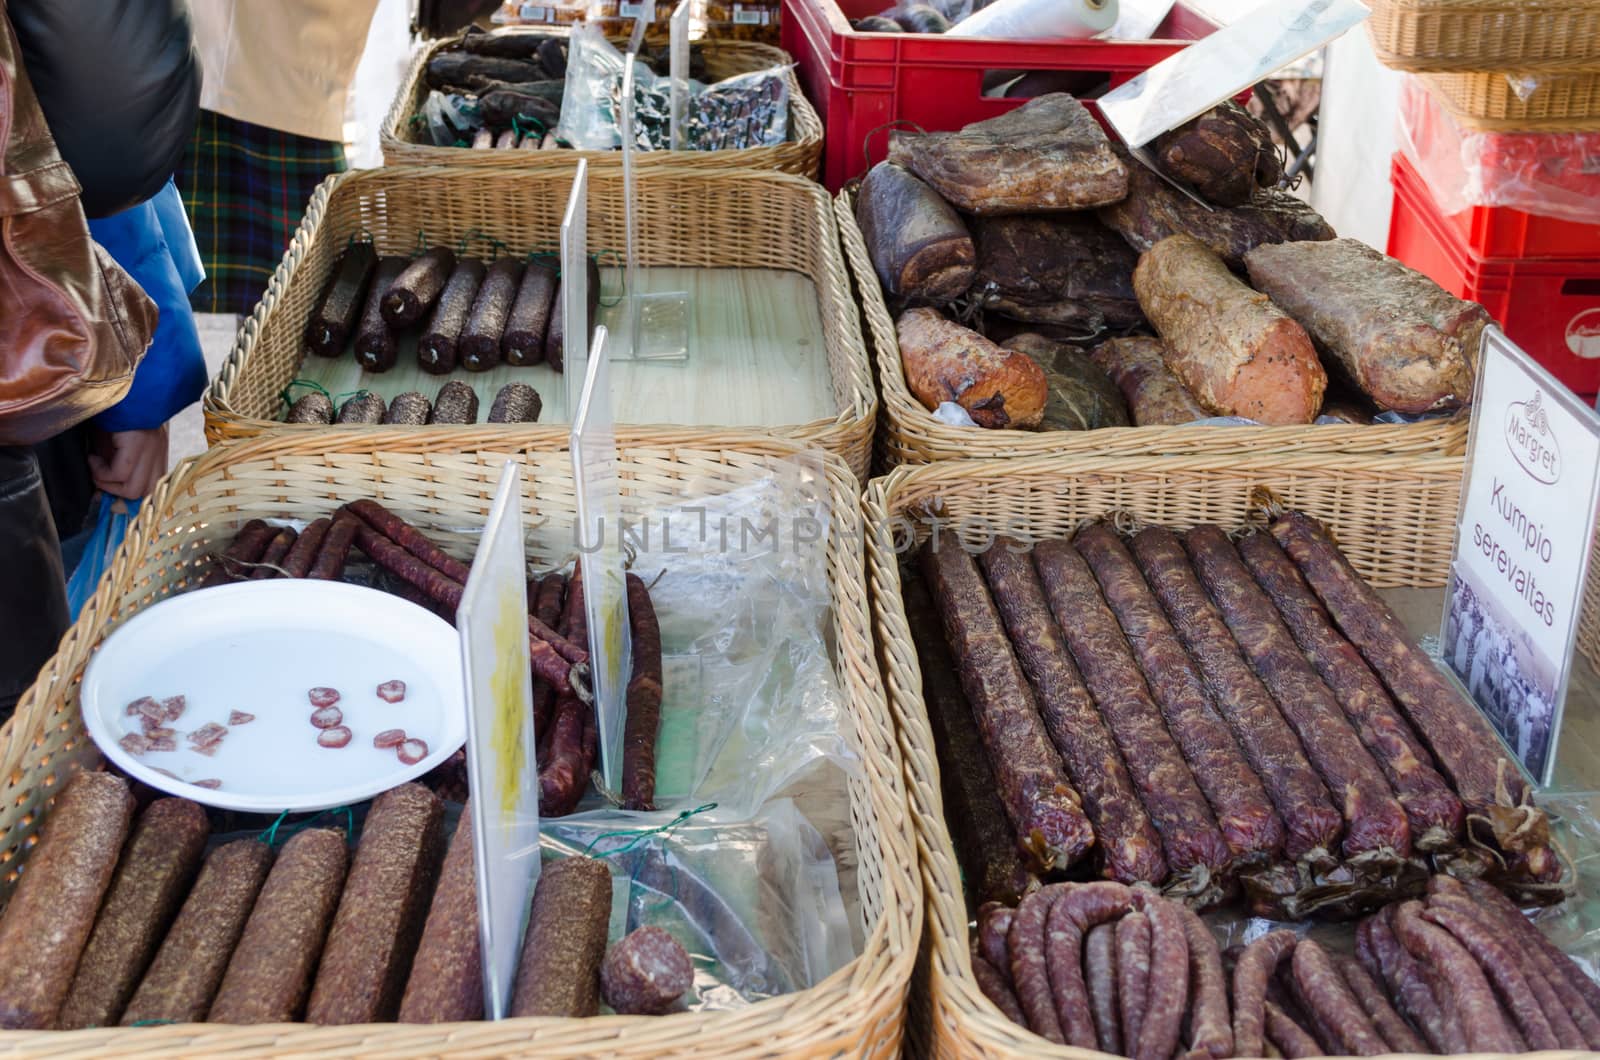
[(1445, 161), (1549, 307), (861, 82)]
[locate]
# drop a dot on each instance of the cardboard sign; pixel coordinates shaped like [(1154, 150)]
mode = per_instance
[(1224, 64), (599, 542), (501, 744), (1527, 522)]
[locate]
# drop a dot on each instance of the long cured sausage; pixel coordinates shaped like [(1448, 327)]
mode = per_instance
[(991, 863), (1244, 812), (1030, 973), (1193, 845), (446, 981), (1460, 737), (1129, 845), (1485, 1027), (152, 878), (362, 974), (1382, 954), (1251, 974), (51, 913), (1169, 977), (1079, 908), (183, 978), (1330, 1000), (1374, 819), (1431, 807), (269, 974), (1310, 821), (1210, 1030), (1396, 1033), (1100, 973), (1502, 966), (1133, 972), (558, 973), (1044, 809)]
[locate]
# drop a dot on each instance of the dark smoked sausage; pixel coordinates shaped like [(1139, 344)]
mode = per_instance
[(1030, 975), (1244, 812), (1502, 966), (1292, 1040), (1383, 955), (1397, 1034), (1169, 978), (1133, 972), (1475, 1005), (1129, 845), (997, 989), (1044, 808), (1251, 973), (1100, 974), (994, 924), (1431, 807), (1330, 999), (1462, 741), (446, 978), (1374, 820), (1195, 849), (1077, 909), (643, 701), (1310, 821), (1210, 1032)]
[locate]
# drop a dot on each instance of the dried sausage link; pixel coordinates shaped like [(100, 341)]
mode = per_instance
[(1396, 1033), (994, 925), (1129, 846), (1431, 807), (1461, 739), (1133, 972), (1310, 821), (1329, 997), (1474, 1002), (1579, 995), (1387, 959), (1043, 807), (445, 984), (1079, 908), (1251, 973), (1374, 820), (1244, 813), (1100, 974), (997, 989), (1169, 978), (1193, 845), (1030, 975), (1292, 1040), (1209, 1029), (1501, 965)]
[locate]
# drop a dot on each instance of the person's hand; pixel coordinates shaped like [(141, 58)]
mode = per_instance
[(132, 463)]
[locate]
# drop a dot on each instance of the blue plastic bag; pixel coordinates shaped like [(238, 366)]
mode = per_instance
[(104, 540)]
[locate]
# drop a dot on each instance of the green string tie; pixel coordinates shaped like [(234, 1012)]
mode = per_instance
[(286, 395), (639, 837)]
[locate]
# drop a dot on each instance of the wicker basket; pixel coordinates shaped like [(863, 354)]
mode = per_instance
[(1395, 519), (908, 433), (801, 155), (445, 477), (740, 220), (1446, 35), (1555, 101)]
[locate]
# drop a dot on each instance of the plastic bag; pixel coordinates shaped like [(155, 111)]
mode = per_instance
[(747, 110), (110, 528), (449, 118), (757, 903), (1549, 174)]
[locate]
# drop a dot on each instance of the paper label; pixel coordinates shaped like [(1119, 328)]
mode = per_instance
[(501, 743), (599, 544), (575, 283), (1224, 64), (749, 16), (535, 13), (645, 11), (1528, 508)]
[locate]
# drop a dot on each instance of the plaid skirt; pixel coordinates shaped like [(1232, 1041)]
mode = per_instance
[(245, 187)]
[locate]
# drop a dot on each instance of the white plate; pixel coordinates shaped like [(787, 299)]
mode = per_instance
[(260, 647)]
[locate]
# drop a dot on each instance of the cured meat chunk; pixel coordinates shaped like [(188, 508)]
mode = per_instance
[(645, 972), (1431, 807), (1406, 342), (1129, 845), (1156, 397), (1244, 812), (1154, 210), (363, 969), (985, 842), (1374, 820), (1081, 396), (188, 968), (446, 978), (1239, 354), (1310, 821), (1460, 737), (559, 970), (919, 246), (1225, 155), (1048, 154), (944, 361), (1069, 270), (1194, 848), (52, 911), (152, 877), (1044, 809)]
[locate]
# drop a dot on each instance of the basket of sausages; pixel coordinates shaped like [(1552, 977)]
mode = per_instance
[(1128, 684), (153, 921), (512, 81), (433, 296), (1030, 288)]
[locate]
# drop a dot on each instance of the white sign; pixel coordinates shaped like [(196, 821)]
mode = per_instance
[(1528, 508), (501, 761), (599, 534), (575, 283), (1224, 64)]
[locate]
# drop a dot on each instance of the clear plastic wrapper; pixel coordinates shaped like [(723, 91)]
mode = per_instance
[(747, 110), (449, 118), (1549, 174)]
